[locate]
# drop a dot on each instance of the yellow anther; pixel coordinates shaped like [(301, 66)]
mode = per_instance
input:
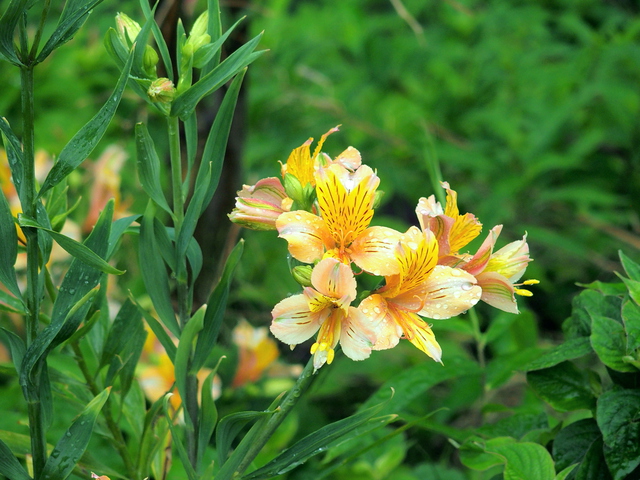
[(533, 281), (330, 355), (314, 347), (523, 292)]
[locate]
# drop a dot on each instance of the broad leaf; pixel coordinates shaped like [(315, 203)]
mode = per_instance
[(569, 350), (609, 340), (563, 386), (580, 443)]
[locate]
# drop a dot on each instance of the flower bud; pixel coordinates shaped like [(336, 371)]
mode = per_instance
[(149, 61), (161, 90), (302, 274), (377, 199), (259, 206), (293, 188), (127, 28)]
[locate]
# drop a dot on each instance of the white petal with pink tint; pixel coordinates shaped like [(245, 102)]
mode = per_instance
[(293, 322), (450, 291)]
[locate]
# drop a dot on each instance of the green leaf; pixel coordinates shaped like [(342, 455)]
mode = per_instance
[(516, 425), (13, 148), (83, 142), (9, 250), (183, 366), (609, 340), (16, 346), (10, 466), (8, 24), (229, 427), (154, 272), (208, 414), (563, 386), (159, 331), (574, 445), (633, 287), (74, 296), (186, 102), (617, 414), (211, 52), (630, 267), (73, 443), (72, 18), (631, 320), (149, 167), (118, 228), (313, 444), (412, 383), (216, 144), (216, 307), (605, 288), (177, 441), (569, 350), (158, 37), (121, 331), (73, 247)]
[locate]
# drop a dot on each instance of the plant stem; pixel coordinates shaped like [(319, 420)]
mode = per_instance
[(176, 171), (477, 334), (28, 200), (260, 433)]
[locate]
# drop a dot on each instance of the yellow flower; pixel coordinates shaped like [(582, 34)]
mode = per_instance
[(345, 202), (258, 206), (301, 164), (325, 308), (421, 288), (257, 351)]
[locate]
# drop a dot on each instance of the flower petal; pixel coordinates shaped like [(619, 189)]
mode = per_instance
[(334, 279), (350, 159), (420, 334), (356, 337), (497, 291), (306, 235), (374, 251), (450, 291), (381, 321), (479, 261), (293, 322)]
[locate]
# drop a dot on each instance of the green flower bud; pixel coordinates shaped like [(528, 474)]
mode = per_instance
[(377, 199), (149, 61), (293, 188), (127, 28), (162, 90), (302, 274)]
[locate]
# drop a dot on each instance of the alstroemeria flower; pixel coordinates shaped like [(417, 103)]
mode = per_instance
[(325, 308), (452, 230), (345, 200), (422, 288), (258, 206), (257, 351)]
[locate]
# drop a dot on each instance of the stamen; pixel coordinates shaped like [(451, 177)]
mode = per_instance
[(523, 292)]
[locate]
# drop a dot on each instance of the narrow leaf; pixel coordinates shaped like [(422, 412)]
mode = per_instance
[(208, 415), (216, 144), (216, 307), (73, 17), (73, 247), (177, 441), (154, 272), (13, 148), (149, 167), (83, 142), (16, 346), (159, 331), (183, 354), (229, 427), (186, 102), (8, 24), (10, 466), (159, 38), (121, 331), (73, 443)]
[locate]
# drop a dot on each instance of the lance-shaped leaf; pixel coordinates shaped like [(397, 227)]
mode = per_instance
[(83, 142), (208, 415), (183, 355), (216, 307), (121, 331), (159, 331), (214, 28), (73, 443), (230, 426), (73, 247), (9, 250), (149, 167), (630, 267), (10, 466), (186, 102), (8, 24), (74, 296), (158, 37), (118, 228), (216, 145), (313, 444), (73, 16), (154, 272)]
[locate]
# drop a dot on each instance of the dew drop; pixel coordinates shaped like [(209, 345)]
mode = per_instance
[(466, 286)]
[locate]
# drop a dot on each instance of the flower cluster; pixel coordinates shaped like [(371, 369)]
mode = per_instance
[(323, 208)]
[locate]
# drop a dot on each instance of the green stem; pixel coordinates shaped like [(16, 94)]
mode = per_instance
[(28, 200), (260, 433), (479, 338), (117, 440), (176, 171)]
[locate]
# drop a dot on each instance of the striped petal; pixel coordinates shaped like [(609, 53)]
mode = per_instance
[(479, 261), (356, 337), (420, 334), (381, 321), (498, 291), (450, 291), (293, 322), (306, 235), (374, 251), (334, 279)]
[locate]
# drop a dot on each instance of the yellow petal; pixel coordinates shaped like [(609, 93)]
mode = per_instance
[(306, 235), (450, 291), (374, 251)]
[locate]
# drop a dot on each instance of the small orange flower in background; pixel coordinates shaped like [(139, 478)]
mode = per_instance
[(257, 352)]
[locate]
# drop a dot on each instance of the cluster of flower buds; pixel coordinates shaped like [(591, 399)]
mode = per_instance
[(323, 208)]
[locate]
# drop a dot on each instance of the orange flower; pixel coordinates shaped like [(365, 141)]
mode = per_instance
[(258, 351), (345, 201), (422, 288)]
